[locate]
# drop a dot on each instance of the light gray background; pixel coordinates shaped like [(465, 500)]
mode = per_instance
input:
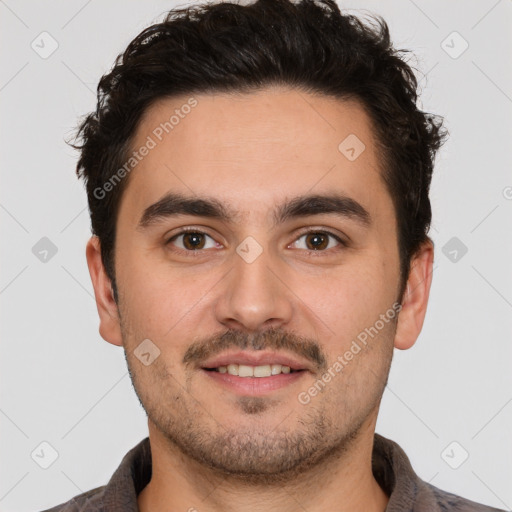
[(61, 383)]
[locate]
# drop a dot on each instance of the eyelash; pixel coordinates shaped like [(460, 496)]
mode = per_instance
[(311, 252)]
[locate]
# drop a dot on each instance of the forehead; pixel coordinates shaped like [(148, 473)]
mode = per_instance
[(251, 149)]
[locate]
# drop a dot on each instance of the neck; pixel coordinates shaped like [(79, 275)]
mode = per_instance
[(344, 482)]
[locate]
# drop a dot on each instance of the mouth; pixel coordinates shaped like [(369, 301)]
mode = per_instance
[(254, 374), (261, 371)]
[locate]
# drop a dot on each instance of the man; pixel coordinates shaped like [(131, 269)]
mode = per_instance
[(258, 182)]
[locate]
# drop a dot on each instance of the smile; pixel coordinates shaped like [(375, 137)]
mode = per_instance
[(242, 370)]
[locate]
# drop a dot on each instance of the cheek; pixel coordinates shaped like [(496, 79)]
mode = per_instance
[(345, 295), (347, 305), (159, 298)]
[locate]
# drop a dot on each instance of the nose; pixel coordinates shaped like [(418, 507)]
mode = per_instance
[(253, 296)]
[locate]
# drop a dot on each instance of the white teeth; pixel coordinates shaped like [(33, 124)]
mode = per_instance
[(233, 369), (243, 370), (276, 369), (262, 371)]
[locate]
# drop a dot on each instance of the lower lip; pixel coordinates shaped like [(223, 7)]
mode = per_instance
[(254, 386)]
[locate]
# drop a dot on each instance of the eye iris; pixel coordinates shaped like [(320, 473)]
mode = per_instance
[(314, 241), (318, 240), (196, 239)]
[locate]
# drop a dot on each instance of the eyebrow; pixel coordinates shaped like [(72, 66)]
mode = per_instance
[(174, 204)]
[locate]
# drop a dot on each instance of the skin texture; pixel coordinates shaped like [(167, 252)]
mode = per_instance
[(214, 449)]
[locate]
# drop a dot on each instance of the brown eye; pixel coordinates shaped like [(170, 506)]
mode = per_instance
[(318, 241), (192, 241)]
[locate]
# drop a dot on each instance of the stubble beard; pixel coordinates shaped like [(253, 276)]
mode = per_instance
[(255, 455)]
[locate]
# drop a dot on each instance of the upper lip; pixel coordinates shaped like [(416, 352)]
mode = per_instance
[(255, 359)]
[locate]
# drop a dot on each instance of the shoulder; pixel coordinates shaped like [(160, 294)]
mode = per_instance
[(407, 491), (90, 501), (447, 501), (120, 493)]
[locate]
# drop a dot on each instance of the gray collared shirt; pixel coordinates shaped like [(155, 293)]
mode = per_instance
[(391, 468)]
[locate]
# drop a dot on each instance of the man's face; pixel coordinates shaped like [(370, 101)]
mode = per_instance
[(241, 276)]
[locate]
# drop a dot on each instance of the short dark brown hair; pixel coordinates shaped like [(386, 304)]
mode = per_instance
[(225, 47)]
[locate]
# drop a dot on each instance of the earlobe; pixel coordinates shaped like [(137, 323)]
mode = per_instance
[(415, 300), (109, 329)]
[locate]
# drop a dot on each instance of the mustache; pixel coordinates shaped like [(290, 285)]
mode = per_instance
[(270, 339)]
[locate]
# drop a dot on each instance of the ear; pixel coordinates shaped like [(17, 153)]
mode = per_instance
[(110, 329), (415, 299)]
